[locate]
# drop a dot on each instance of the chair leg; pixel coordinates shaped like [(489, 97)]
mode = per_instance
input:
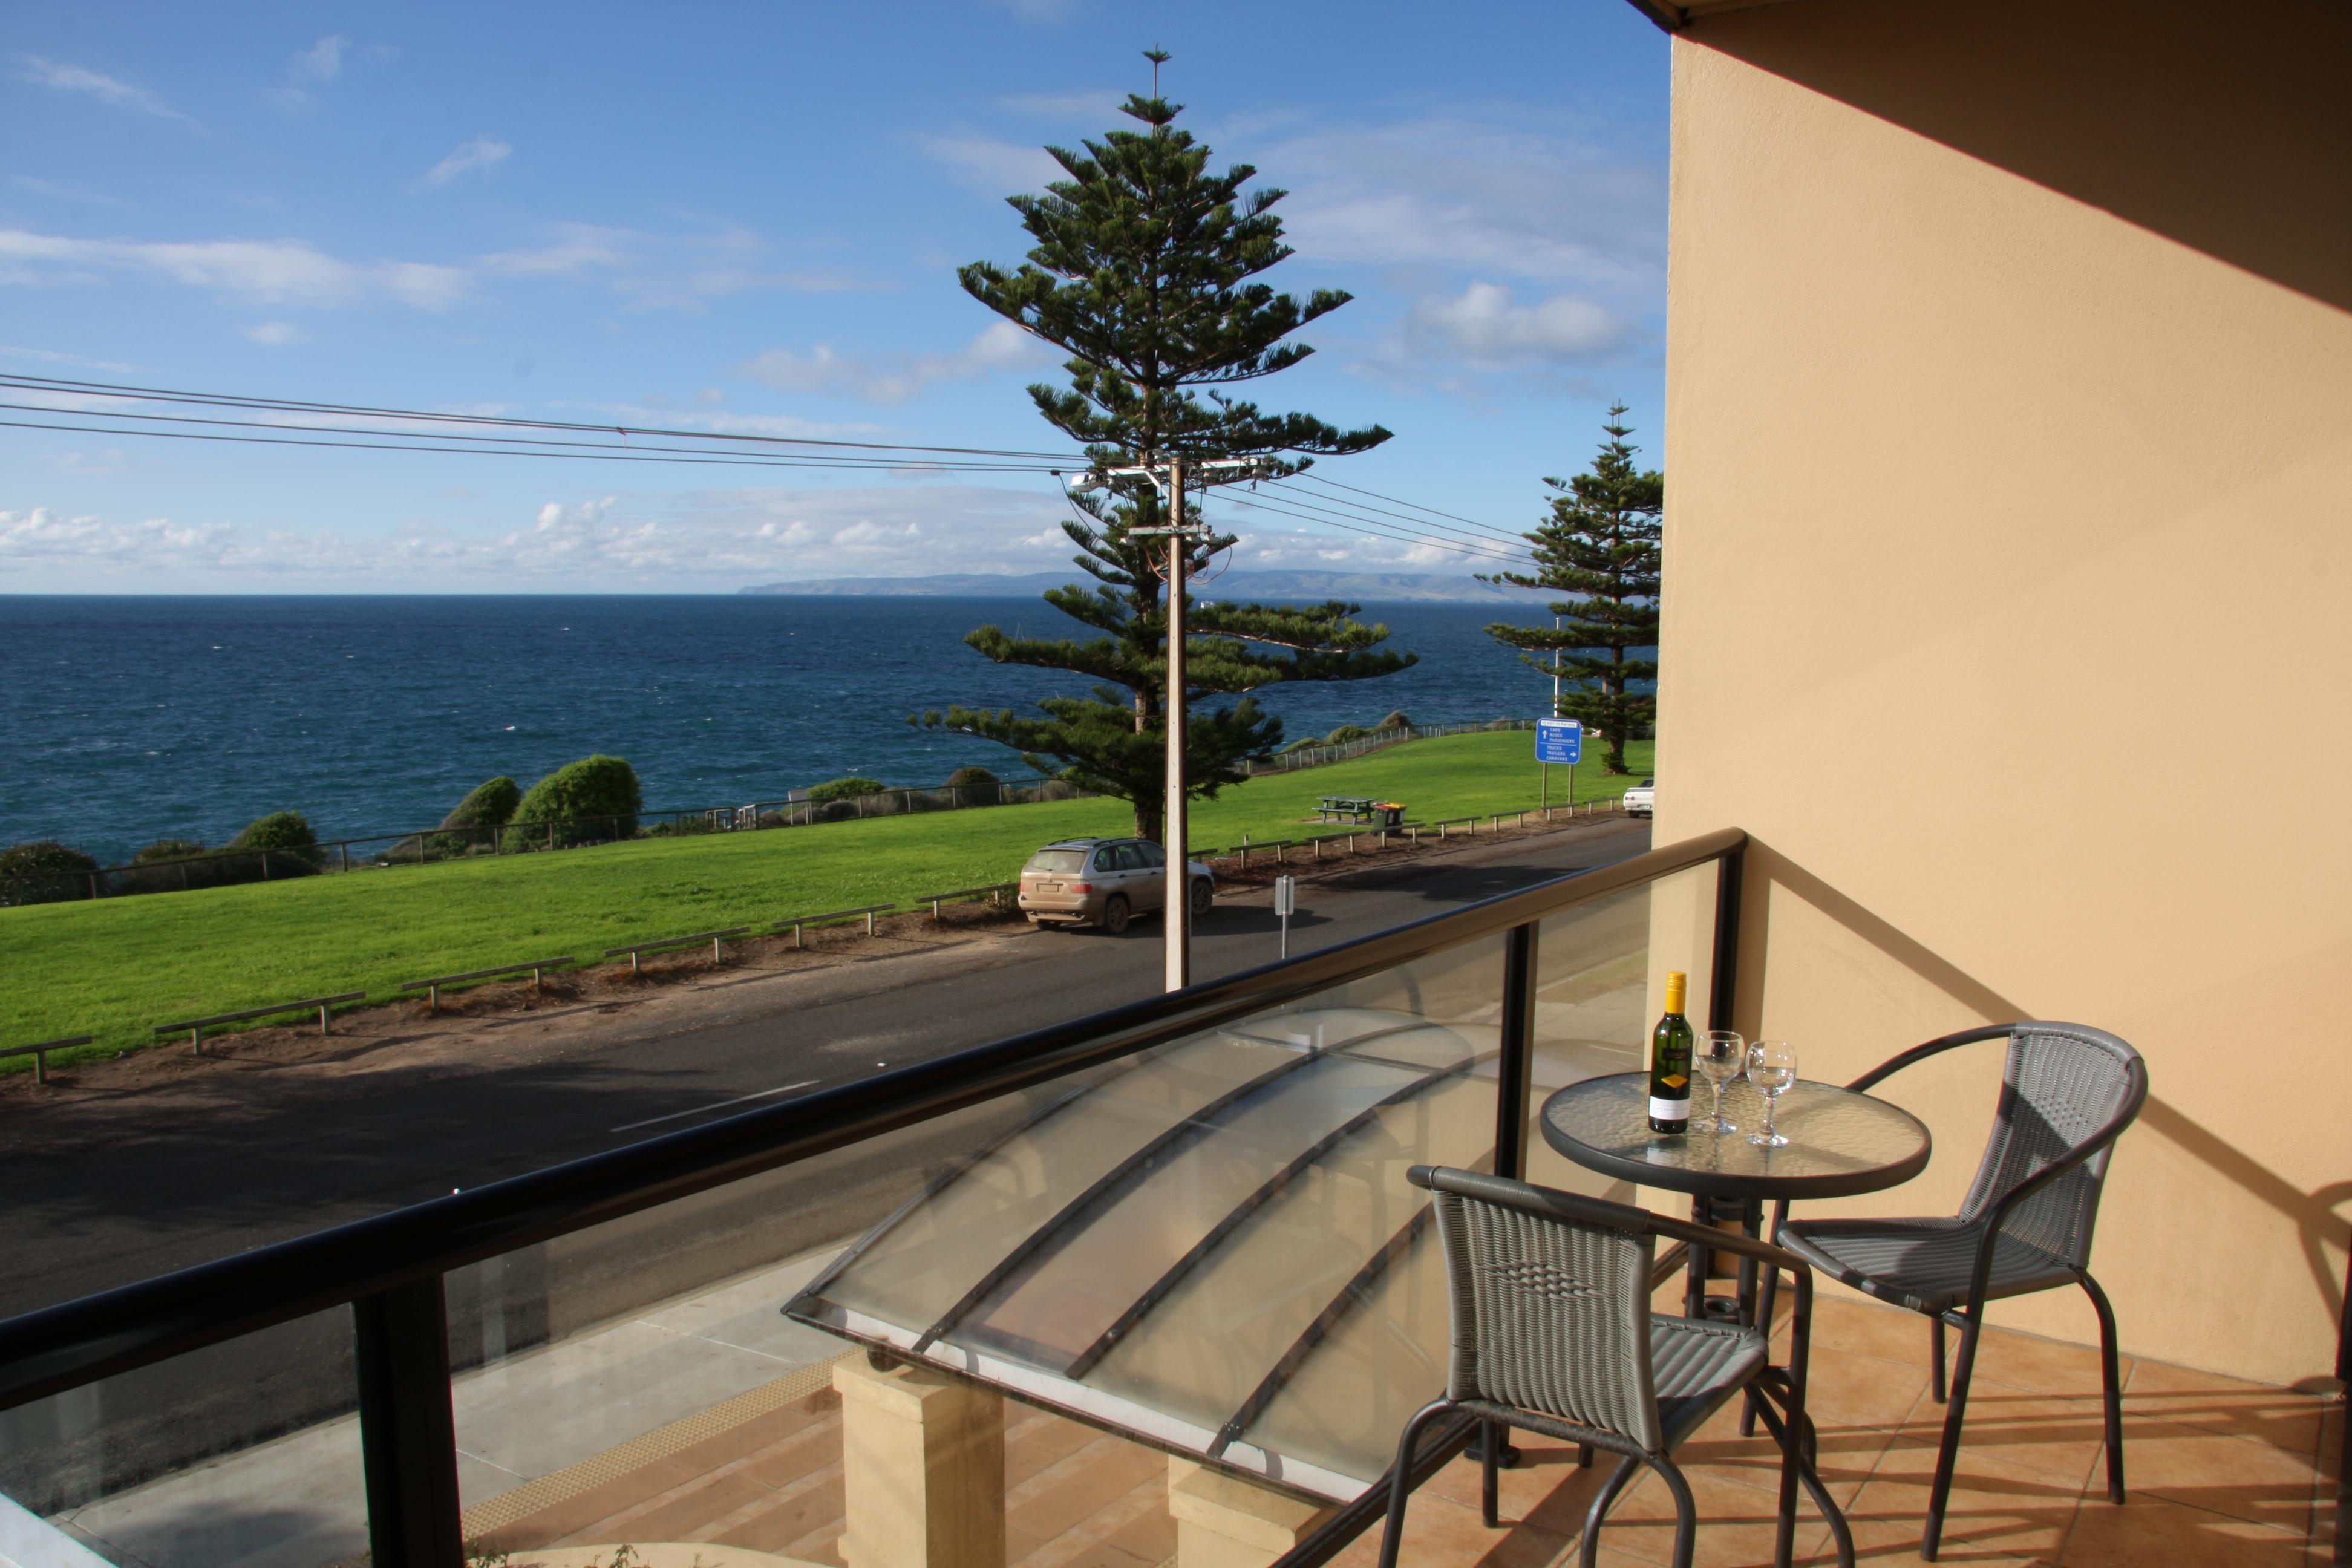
[(1686, 1511), (1584, 1455), (1948, 1457), (2111, 1386), (1588, 1553), (1400, 1478), (1489, 1469), (1936, 1357)]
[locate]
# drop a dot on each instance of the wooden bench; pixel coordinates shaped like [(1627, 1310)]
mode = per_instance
[(40, 1053), (432, 988), (196, 1026)]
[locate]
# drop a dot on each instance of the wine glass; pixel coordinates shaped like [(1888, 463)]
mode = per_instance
[(1720, 1056), (1771, 1067)]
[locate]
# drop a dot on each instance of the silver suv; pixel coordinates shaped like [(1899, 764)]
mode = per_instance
[(1104, 882)]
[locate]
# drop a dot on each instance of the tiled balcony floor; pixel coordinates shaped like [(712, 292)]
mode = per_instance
[(2219, 1473)]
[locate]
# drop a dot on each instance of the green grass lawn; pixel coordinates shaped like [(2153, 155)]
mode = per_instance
[(116, 967)]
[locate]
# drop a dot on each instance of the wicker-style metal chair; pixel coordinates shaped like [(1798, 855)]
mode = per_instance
[(2067, 1093), (1552, 1332)]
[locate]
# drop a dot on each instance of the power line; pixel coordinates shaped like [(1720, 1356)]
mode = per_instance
[(1483, 534), (1415, 505), (813, 461), (59, 386), (531, 442), (1471, 544), (1450, 546)]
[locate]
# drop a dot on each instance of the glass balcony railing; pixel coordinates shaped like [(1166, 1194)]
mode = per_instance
[(1086, 1288)]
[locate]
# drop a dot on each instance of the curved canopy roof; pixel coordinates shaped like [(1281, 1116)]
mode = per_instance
[(1211, 1247)]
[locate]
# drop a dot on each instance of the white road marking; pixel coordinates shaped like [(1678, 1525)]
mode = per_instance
[(702, 1110)]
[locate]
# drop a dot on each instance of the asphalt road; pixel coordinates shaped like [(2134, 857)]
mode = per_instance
[(100, 1196)]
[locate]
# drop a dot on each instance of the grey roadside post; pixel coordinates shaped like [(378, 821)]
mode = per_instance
[(1286, 900)]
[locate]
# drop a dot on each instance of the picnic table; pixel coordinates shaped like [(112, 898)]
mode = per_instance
[(1360, 808)]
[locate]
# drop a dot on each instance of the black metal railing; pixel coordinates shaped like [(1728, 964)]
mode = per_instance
[(389, 1269)]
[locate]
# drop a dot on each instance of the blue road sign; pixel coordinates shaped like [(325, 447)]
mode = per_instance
[(1559, 741)]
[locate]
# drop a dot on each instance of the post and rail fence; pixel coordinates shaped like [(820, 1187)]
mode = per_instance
[(433, 985), (429, 846), (40, 1053), (196, 1026), (538, 967)]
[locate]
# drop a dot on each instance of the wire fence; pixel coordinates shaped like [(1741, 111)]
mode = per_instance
[(417, 846), (1375, 741)]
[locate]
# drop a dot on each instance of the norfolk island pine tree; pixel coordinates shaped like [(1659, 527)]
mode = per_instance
[(1144, 273), (1600, 543)]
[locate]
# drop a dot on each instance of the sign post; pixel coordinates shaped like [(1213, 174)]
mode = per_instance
[(1558, 741), (1285, 900)]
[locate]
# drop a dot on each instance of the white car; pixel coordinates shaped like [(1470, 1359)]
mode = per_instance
[(1642, 798)]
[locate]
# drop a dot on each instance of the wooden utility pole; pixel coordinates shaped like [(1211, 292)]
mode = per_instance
[(1177, 886), (1174, 833)]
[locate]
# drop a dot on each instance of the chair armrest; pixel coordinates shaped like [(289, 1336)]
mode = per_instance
[(1895, 1064), (1728, 1241)]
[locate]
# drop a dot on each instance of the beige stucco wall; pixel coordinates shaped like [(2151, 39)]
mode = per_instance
[(2008, 600)]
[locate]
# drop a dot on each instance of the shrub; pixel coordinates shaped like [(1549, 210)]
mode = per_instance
[(487, 807), (976, 787), (44, 872), (1396, 721), (490, 803), (287, 848), (1345, 733), (1303, 743), (590, 801), (278, 830), (849, 788), (168, 866)]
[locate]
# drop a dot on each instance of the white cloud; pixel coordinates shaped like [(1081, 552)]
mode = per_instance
[(114, 94), (482, 152), (703, 540), (1094, 105), (990, 166), (51, 356), (684, 270), (274, 334), (673, 271), (999, 346), (265, 272), (64, 191), (1041, 10), (322, 61), (1483, 326), (1488, 196)]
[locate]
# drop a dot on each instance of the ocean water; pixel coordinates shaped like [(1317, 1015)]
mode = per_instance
[(126, 719)]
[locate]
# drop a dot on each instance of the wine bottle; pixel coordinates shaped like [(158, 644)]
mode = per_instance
[(1670, 1061)]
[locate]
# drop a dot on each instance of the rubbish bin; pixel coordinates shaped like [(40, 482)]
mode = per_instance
[(1390, 813)]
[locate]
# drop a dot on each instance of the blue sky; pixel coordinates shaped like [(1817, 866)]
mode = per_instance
[(747, 218)]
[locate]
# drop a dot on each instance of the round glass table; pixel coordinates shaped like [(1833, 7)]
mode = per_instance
[(1840, 1142)]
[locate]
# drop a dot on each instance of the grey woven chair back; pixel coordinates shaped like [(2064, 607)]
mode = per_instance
[(1550, 1316), (2063, 1083)]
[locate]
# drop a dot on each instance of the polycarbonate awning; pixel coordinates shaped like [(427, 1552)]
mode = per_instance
[(1212, 1247)]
